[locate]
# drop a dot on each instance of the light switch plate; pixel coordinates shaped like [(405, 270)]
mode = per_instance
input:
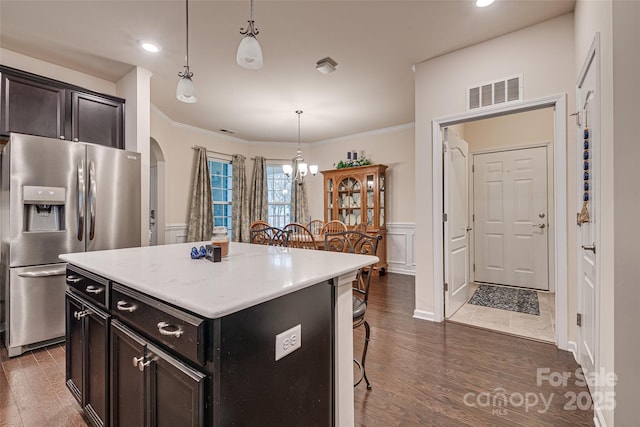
[(288, 341)]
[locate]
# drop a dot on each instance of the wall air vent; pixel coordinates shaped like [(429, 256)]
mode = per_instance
[(495, 93)]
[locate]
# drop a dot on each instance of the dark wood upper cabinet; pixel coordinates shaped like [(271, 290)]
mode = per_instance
[(97, 119), (32, 107), (36, 105)]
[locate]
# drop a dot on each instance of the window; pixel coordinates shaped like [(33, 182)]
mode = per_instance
[(221, 192), (279, 189)]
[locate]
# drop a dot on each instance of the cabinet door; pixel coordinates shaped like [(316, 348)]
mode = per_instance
[(74, 352), (176, 391), (31, 107), (127, 380), (97, 120), (96, 365)]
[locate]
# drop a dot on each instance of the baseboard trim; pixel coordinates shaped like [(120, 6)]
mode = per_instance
[(572, 347), (598, 418), (390, 269), (424, 315)]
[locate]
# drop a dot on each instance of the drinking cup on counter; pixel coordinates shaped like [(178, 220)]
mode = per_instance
[(221, 238)]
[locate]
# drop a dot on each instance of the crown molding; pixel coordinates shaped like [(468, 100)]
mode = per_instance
[(370, 133)]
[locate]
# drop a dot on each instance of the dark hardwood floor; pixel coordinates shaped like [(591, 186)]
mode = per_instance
[(421, 373)]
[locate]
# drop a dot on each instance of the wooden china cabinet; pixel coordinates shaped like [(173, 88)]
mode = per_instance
[(355, 195)]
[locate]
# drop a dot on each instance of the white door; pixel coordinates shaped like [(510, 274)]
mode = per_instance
[(456, 240), (153, 205), (588, 101), (510, 218)]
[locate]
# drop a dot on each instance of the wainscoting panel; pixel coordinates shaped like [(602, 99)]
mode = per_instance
[(400, 244), (176, 233)]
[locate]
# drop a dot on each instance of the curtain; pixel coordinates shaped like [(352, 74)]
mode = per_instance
[(240, 203), (299, 206), (201, 214), (259, 205)]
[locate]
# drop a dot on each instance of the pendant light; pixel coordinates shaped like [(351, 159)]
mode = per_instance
[(186, 91), (249, 52), (298, 162)]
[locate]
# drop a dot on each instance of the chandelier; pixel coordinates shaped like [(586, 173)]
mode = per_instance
[(298, 161)]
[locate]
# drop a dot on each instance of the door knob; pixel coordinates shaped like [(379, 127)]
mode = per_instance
[(541, 215), (539, 225), (591, 248)]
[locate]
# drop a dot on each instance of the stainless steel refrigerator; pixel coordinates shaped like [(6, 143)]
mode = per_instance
[(58, 197)]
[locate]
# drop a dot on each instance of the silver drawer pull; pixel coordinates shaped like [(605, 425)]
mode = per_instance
[(142, 365), (137, 360), (164, 329), (74, 279), (125, 306), (80, 314), (94, 289)]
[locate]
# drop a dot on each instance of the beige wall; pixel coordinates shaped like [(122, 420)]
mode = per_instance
[(393, 147), (530, 127), (52, 71), (543, 53)]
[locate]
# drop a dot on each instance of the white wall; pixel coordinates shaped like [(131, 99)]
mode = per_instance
[(592, 17), (543, 53)]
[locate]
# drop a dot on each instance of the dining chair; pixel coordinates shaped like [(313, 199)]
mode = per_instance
[(259, 224), (315, 226), (361, 227), (271, 236), (333, 226), (356, 242), (300, 236)]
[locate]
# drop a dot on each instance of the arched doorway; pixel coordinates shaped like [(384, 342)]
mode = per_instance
[(156, 194)]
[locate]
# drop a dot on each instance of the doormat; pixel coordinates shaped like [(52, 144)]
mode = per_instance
[(512, 299)]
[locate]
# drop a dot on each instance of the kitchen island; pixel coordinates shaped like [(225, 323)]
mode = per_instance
[(262, 338)]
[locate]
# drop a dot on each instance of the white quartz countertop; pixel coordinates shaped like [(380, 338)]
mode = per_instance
[(250, 275)]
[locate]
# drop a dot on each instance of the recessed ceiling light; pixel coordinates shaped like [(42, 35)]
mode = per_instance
[(326, 65), (483, 3), (150, 47)]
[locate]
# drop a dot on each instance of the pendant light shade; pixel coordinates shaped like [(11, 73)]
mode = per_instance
[(186, 90), (249, 52)]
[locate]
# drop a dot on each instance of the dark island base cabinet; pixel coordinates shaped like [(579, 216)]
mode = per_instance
[(164, 366), (151, 388), (87, 335)]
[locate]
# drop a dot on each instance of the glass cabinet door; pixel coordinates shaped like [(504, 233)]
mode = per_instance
[(349, 202), (370, 200), (329, 197)]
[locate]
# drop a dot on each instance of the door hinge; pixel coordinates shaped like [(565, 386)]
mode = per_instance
[(444, 217), (444, 148), (474, 267), (446, 286), (473, 168), (473, 217), (579, 319)]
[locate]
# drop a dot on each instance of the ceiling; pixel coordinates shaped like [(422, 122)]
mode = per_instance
[(375, 44)]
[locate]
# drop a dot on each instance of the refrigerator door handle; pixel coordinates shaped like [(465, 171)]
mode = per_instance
[(44, 273), (92, 200), (80, 187)]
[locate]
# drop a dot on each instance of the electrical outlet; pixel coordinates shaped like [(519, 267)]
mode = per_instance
[(288, 341)]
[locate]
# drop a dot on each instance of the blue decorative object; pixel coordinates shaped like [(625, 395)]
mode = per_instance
[(586, 144), (586, 166), (586, 134), (348, 155), (586, 186), (585, 197), (194, 253), (198, 253), (586, 154), (586, 176)]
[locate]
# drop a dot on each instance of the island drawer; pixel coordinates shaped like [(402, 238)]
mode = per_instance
[(176, 329), (88, 285)]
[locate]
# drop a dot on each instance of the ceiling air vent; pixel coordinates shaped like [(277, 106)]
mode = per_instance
[(495, 93)]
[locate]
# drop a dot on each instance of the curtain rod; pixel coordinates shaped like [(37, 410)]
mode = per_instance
[(195, 147)]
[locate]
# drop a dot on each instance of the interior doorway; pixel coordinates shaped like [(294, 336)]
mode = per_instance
[(156, 194), (551, 303)]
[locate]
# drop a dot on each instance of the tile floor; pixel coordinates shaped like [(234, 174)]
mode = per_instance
[(542, 327)]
